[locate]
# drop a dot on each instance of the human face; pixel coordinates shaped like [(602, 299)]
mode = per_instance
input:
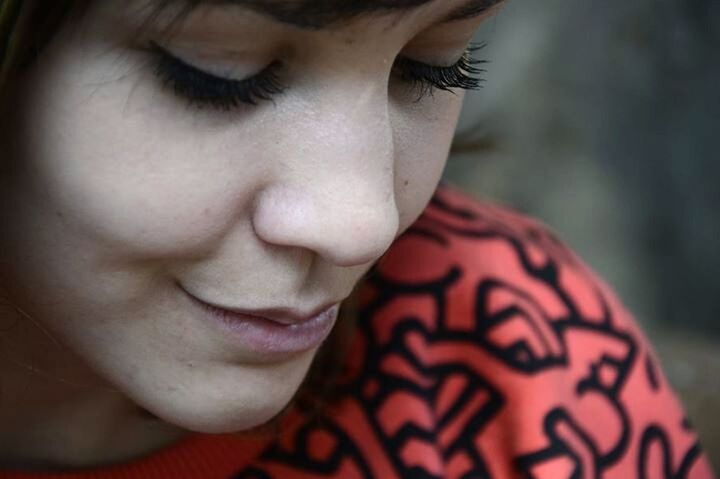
[(123, 204)]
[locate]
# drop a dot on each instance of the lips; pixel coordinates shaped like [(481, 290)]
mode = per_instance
[(285, 317), (273, 332)]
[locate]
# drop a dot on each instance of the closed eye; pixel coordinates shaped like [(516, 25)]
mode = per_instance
[(203, 89), (465, 74)]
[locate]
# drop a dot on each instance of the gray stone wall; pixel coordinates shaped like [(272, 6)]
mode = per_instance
[(603, 119)]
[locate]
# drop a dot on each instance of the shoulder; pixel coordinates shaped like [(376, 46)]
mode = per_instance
[(487, 254), (481, 312)]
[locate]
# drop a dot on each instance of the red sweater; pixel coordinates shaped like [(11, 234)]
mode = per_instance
[(485, 349)]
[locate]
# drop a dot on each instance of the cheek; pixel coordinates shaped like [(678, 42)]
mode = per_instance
[(123, 165), (423, 136)]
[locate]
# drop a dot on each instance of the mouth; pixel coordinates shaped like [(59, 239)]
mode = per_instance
[(283, 316), (275, 332)]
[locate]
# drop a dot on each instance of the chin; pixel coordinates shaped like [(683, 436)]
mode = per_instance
[(221, 420), (246, 399)]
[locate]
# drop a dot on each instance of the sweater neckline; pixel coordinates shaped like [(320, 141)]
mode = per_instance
[(192, 457)]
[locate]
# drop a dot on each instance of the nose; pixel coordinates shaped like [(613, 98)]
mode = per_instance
[(346, 224), (334, 194)]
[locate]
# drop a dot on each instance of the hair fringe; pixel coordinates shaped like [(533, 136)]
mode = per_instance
[(9, 16)]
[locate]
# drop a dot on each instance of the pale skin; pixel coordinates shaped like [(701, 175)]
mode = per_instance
[(115, 191)]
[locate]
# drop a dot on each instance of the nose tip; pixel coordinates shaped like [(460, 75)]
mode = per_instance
[(345, 230)]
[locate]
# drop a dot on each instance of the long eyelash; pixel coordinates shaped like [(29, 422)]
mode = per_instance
[(204, 89), (465, 74)]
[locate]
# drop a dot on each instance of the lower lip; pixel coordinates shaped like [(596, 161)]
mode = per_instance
[(267, 337)]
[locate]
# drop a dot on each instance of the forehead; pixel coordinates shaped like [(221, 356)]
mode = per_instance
[(322, 13)]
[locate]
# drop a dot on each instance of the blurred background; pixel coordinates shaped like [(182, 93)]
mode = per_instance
[(603, 120)]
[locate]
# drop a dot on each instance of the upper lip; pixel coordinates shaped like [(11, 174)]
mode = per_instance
[(282, 315)]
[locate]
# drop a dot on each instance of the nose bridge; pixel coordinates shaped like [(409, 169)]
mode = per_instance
[(351, 112), (334, 190)]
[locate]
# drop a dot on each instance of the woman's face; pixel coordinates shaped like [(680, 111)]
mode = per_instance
[(125, 203)]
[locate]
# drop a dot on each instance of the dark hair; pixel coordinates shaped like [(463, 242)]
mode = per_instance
[(25, 28)]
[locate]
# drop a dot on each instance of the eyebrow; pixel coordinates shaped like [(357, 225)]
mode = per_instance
[(317, 14)]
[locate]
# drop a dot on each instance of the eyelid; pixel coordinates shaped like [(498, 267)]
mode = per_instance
[(408, 60), (464, 74), (440, 54), (167, 53), (202, 88)]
